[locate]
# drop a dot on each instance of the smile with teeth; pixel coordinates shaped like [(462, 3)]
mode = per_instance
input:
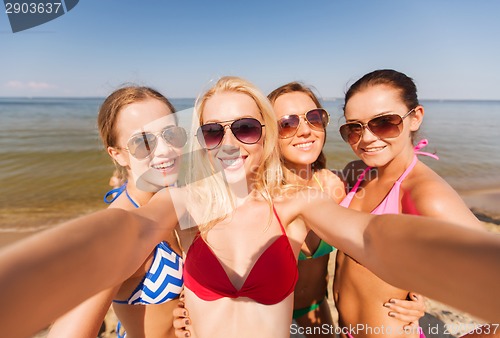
[(231, 162), (164, 165), (304, 145), (372, 150)]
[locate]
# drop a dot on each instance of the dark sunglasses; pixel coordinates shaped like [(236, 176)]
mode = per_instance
[(384, 126), (141, 145), (247, 130), (316, 118)]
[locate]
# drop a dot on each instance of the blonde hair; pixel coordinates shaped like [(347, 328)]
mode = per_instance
[(209, 188), (298, 87)]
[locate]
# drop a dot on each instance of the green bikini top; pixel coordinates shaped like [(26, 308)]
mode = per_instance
[(323, 249)]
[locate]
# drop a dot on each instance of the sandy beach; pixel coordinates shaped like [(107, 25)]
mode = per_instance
[(440, 317)]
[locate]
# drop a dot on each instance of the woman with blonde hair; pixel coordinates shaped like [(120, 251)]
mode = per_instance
[(229, 266)]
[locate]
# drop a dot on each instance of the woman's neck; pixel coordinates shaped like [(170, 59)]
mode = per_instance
[(295, 174), (395, 168), (141, 197)]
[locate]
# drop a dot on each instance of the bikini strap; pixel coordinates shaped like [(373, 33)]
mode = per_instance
[(360, 179), (407, 171), (131, 200), (421, 144), (279, 220), (113, 194), (319, 183)]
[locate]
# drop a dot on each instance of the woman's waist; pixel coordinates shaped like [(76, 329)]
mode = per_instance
[(240, 316)]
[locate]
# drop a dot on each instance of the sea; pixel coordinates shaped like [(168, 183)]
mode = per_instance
[(53, 166)]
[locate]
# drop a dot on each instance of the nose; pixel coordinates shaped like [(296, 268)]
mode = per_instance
[(229, 142), (367, 135), (304, 128), (162, 147)]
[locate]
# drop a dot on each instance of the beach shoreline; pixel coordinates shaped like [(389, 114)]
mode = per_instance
[(482, 202)]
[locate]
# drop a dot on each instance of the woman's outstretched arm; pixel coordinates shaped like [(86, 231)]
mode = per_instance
[(454, 264), (44, 276)]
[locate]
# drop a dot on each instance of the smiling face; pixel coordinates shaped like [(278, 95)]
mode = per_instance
[(238, 160), (301, 150), (160, 168), (374, 101)]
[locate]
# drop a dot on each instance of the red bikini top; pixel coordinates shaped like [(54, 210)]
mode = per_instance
[(271, 279)]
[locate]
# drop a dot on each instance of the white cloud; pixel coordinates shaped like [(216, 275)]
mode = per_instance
[(14, 84)]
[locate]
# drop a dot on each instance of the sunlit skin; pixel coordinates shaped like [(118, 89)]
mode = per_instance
[(161, 167), (238, 160), (373, 240), (376, 152), (150, 115), (299, 153), (302, 149), (312, 284), (241, 238), (358, 293)]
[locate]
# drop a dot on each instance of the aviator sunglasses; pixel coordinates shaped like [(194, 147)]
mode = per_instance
[(384, 126), (316, 118), (141, 145), (247, 130)]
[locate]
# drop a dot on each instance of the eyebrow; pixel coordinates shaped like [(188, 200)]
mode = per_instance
[(156, 130), (231, 120), (374, 116)]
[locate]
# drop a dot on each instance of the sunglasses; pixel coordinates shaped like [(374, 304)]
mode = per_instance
[(384, 126), (141, 145), (316, 118), (247, 130)]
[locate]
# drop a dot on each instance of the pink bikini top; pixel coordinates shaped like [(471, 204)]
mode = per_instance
[(271, 279), (390, 204)]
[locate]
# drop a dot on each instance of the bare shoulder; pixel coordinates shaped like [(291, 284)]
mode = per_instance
[(432, 196), (332, 184), (292, 203)]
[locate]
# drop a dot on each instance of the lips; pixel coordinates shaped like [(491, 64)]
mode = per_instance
[(372, 149), (232, 163), (164, 165), (304, 145)]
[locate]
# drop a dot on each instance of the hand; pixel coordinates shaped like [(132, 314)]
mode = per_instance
[(182, 322), (408, 311)]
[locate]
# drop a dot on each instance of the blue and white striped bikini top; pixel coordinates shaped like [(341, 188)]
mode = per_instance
[(163, 281)]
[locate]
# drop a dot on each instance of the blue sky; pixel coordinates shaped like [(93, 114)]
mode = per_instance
[(450, 47)]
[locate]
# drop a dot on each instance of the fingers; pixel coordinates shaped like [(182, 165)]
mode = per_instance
[(407, 311), (180, 313), (182, 327), (418, 299), (181, 323)]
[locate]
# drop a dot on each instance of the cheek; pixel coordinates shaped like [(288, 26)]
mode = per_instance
[(139, 167), (284, 143), (257, 152)]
